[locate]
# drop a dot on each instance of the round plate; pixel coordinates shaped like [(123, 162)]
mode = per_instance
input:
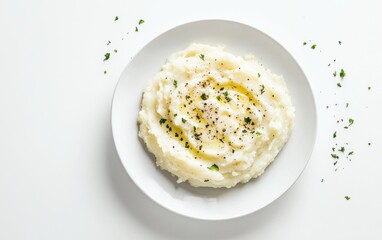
[(208, 203)]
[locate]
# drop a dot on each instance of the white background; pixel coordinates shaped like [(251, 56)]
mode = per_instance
[(60, 176)]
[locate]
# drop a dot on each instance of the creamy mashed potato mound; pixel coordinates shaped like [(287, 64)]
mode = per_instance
[(215, 119)]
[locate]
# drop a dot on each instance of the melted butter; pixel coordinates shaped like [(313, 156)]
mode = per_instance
[(214, 112)]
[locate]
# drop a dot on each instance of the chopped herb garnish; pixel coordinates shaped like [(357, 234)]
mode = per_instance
[(339, 85), (116, 18), (115, 50), (335, 156), (350, 153), (351, 121), (162, 121), (313, 46), (262, 89), (304, 43), (136, 29), (258, 74), (184, 120), (335, 134), (342, 149), (347, 105), (225, 94), (108, 42), (247, 120), (322, 180), (335, 74), (104, 72), (206, 180), (204, 96), (368, 88), (201, 56), (107, 56), (175, 83), (141, 21), (218, 98), (339, 42), (347, 198), (186, 145), (342, 73), (214, 167), (244, 131), (175, 115), (258, 133), (369, 144), (197, 136)]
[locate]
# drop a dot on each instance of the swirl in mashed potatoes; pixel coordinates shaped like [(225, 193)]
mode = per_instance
[(215, 119)]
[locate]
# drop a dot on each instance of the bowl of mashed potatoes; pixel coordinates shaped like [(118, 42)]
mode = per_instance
[(213, 120)]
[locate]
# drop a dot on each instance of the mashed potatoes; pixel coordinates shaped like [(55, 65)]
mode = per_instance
[(215, 119)]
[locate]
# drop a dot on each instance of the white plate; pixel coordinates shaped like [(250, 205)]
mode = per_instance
[(206, 203)]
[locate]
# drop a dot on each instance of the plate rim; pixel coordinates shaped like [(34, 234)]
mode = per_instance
[(217, 20)]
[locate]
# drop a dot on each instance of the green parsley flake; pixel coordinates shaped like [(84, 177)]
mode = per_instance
[(335, 134), (175, 83), (225, 94), (116, 18), (214, 167), (218, 98), (335, 74), (351, 121), (339, 42), (304, 43), (107, 56), (342, 73), (258, 133), (262, 89), (104, 72), (258, 74), (247, 120), (162, 120), (141, 21), (184, 120), (115, 50), (342, 149), (313, 46), (335, 156), (108, 42), (201, 56), (347, 198), (339, 85), (136, 29), (369, 88), (369, 144), (350, 153), (204, 96), (197, 136)]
